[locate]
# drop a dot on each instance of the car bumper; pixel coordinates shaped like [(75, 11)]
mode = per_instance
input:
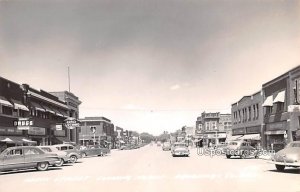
[(295, 164), (181, 153)]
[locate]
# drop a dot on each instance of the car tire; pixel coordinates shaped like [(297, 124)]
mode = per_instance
[(73, 159), (279, 167), (43, 166), (61, 162), (228, 156)]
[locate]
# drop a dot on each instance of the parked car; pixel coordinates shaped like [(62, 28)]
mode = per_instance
[(94, 150), (62, 155), (180, 149), (222, 147), (166, 146), (23, 157), (73, 153), (240, 148), (287, 157)]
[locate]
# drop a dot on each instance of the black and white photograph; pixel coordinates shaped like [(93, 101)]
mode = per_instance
[(149, 95)]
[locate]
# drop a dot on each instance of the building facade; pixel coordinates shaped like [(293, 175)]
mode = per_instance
[(96, 130), (73, 102), (213, 127), (30, 115), (247, 119), (281, 109)]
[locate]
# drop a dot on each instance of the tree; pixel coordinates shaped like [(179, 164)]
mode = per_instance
[(147, 137)]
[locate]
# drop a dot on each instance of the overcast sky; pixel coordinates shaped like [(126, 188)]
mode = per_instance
[(150, 65)]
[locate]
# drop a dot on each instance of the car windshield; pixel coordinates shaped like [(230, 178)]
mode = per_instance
[(180, 145), (233, 143)]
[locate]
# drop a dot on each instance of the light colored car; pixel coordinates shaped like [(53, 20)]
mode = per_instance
[(287, 157), (180, 149), (240, 148), (62, 155), (166, 146), (23, 157), (73, 153), (94, 150)]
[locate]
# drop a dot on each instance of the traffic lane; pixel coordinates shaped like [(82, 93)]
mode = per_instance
[(151, 169)]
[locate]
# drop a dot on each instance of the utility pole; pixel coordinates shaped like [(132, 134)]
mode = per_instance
[(69, 82)]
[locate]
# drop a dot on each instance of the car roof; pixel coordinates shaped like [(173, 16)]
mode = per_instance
[(61, 145)]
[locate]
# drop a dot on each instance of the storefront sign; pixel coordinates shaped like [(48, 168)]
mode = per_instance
[(275, 126), (238, 131), (59, 132), (71, 123), (58, 127), (36, 131), (23, 123), (279, 132)]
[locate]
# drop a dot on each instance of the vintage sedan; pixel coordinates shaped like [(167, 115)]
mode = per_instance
[(287, 157), (241, 149), (62, 155), (73, 153), (94, 150), (180, 149), (23, 157), (166, 146)]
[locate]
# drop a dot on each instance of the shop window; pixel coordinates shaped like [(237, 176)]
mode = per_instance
[(21, 113), (249, 114), (280, 107), (257, 111), (269, 110), (7, 110)]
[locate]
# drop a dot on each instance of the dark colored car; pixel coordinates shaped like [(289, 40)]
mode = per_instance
[(93, 150), (287, 157), (23, 157)]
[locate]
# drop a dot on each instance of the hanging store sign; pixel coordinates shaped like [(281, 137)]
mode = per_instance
[(71, 123)]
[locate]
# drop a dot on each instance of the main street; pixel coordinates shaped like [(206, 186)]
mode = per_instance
[(151, 169)]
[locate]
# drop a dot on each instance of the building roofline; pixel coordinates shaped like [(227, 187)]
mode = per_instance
[(283, 76)]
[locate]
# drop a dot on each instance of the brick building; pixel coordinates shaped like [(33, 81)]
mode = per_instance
[(247, 118)]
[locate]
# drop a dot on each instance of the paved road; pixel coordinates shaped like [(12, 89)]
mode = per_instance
[(150, 169)]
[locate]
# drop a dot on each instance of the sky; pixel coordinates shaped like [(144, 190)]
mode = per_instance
[(150, 65)]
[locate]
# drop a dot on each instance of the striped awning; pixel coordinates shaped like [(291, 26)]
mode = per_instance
[(19, 105), (4, 101), (37, 106)]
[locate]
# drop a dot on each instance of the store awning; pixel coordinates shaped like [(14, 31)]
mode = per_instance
[(19, 105), (48, 109), (251, 137), (278, 132), (28, 141), (37, 106), (11, 139), (5, 102), (280, 97), (233, 138), (268, 102), (57, 112)]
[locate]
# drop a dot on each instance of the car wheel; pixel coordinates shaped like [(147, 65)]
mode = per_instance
[(61, 162), (280, 167), (73, 159), (43, 166), (243, 156), (228, 156), (83, 154)]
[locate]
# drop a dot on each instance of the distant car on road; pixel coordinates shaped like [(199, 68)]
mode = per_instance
[(23, 157), (62, 155), (166, 146), (94, 150), (72, 152), (287, 157), (240, 148), (180, 149)]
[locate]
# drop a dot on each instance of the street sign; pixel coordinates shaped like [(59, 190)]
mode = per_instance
[(71, 123)]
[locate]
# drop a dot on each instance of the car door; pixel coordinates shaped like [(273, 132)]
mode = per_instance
[(13, 159), (32, 157)]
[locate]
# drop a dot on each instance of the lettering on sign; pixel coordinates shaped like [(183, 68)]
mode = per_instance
[(71, 123), (23, 124)]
